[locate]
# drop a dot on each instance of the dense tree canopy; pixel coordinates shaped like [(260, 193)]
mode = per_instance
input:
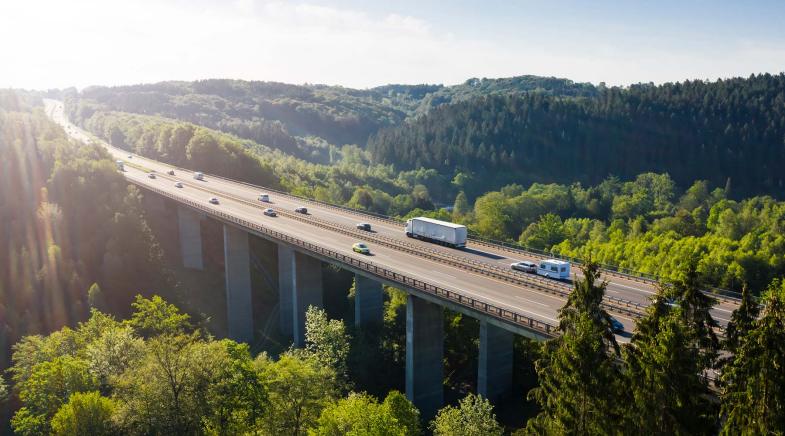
[(718, 131)]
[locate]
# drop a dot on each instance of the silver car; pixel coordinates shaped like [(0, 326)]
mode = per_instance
[(214, 200), (524, 266)]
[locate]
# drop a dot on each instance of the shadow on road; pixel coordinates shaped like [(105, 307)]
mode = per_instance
[(483, 254)]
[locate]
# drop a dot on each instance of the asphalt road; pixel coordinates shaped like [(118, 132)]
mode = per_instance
[(524, 300)]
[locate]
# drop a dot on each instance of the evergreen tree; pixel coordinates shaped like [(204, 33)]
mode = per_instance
[(664, 373), (753, 401), (741, 322), (578, 373)]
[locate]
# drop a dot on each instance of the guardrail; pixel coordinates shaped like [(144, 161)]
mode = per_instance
[(506, 315), (616, 304), (612, 270)]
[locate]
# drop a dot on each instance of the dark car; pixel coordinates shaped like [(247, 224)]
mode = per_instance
[(170, 172), (301, 209), (616, 326), (364, 226)]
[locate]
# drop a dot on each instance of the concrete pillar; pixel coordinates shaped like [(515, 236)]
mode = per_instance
[(494, 375), (190, 238), (424, 351), (307, 292), (368, 301), (286, 268), (239, 310)]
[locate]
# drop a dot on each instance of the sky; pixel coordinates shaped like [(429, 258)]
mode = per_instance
[(56, 44)]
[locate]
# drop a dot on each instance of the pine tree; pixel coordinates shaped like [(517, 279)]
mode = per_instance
[(578, 374), (754, 399), (665, 363)]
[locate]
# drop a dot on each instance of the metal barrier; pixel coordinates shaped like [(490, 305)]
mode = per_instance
[(620, 305), (371, 268)]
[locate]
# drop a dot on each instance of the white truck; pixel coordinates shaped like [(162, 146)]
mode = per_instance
[(554, 269), (440, 232), (198, 175)]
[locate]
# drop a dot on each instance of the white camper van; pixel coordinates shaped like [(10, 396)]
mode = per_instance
[(554, 269)]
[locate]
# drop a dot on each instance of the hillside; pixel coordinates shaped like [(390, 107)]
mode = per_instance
[(302, 120), (726, 131)]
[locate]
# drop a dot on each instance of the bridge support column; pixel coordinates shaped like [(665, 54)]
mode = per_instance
[(424, 351), (300, 286), (239, 310), (286, 269), (307, 292), (368, 301), (190, 238), (494, 378)]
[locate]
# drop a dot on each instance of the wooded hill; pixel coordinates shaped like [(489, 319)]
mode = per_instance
[(731, 130)]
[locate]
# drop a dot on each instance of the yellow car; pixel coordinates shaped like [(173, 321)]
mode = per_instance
[(361, 248)]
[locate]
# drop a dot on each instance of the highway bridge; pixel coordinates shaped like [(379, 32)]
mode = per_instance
[(476, 281)]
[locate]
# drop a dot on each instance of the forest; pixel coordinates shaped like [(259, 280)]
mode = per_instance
[(647, 224), (99, 329), (717, 131)]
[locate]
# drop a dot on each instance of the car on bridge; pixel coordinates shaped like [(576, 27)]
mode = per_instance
[(616, 326), (151, 175), (170, 172), (198, 175), (524, 266), (213, 200), (178, 185), (364, 226), (269, 212), (361, 248), (301, 209), (264, 198)]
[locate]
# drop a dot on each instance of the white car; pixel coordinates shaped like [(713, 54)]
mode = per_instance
[(214, 200), (178, 185), (264, 197), (151, 175), (524, 266), (269, 212)]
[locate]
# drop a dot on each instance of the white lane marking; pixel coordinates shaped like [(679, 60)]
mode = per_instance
[(630, 287), (530, 301)]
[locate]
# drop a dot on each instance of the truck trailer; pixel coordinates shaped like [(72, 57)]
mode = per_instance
[(440, 232)]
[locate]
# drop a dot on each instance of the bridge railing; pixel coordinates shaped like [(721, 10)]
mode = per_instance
[(609, 269), (506, 315)]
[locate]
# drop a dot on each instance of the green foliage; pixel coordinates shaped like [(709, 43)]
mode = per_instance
[(666, 360), (328, 342), (85, 414), (686, 129), (473, 417), (95, 297), (361, 414), (753, 401), (300, 388), (154, 316), (3, 389), (579, 378), (50, 385), (74, 222)]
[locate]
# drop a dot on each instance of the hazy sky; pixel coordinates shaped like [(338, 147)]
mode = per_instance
[(61, 43)]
